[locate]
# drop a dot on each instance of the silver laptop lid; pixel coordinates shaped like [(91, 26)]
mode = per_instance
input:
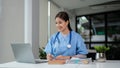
[(23, 52)]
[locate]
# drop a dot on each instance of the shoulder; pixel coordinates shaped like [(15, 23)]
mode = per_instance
[(53, 35), (76, 35)]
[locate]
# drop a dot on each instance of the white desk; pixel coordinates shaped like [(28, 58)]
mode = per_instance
[(107, 64)]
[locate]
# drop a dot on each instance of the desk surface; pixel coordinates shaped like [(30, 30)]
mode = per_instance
[(107, 64)]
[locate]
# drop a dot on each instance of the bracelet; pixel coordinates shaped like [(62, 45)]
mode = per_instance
[(70, 57)]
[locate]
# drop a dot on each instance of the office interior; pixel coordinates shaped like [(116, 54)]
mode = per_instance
[(33, 21)]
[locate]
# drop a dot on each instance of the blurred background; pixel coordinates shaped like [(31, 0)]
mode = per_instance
[(33, 21)]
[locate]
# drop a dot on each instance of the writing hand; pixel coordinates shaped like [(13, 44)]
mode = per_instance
[(49, 57)]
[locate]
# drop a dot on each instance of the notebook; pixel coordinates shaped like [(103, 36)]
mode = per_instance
[(23, 53)]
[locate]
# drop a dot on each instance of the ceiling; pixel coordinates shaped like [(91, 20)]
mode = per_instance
[(76, 4)]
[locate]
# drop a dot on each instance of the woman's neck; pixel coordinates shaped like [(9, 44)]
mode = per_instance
[(66, 31)]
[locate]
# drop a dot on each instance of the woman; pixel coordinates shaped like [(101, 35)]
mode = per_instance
[(66, 43)]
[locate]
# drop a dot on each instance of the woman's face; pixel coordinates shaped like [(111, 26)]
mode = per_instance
[(61, 24)]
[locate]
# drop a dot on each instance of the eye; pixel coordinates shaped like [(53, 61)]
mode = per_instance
[(60, 22)]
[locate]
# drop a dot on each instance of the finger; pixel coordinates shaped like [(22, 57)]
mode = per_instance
[(49, 57), (59, 57)]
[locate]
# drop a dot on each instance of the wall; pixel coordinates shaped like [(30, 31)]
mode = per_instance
[(72, 19), (31, 23), (35, 28), (43, 22), (12, 22), (11, 27), (53, 11), (72, 23)]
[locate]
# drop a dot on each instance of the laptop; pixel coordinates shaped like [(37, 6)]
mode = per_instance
[(23, 53)]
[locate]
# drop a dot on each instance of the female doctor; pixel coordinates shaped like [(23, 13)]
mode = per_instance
[(66, 43)]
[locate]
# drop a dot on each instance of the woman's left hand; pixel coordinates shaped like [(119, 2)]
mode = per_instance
[(60, 57)]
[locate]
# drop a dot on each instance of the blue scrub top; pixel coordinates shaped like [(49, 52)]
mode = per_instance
[(59, 47)]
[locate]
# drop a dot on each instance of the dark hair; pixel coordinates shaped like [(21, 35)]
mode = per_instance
[(64, 16)]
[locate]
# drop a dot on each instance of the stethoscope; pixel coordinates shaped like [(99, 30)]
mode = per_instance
[(56, 38)]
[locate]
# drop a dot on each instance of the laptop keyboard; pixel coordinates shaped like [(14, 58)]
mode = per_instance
[(41, 60)]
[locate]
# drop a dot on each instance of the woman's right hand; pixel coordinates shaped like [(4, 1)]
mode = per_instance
[(49, 57)]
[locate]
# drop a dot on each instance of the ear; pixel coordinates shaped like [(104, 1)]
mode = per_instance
[(67, 22)]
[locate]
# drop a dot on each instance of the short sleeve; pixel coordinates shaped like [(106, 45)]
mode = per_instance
[(48, 48), (81, 47)]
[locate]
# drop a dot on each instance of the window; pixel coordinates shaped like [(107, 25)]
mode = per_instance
[(101, 29)]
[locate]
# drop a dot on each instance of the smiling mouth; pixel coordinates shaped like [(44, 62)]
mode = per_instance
[(59, 27)]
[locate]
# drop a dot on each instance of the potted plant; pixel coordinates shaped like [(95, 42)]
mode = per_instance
[(100, 55), (42, 54)]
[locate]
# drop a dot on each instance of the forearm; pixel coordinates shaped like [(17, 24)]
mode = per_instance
[(69, 57), (66, 57), (80, 56), (63, 57)]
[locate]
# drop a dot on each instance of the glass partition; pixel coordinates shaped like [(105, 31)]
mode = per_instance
[(97, 29), (101, 29), (114, 26), (83, 28)]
